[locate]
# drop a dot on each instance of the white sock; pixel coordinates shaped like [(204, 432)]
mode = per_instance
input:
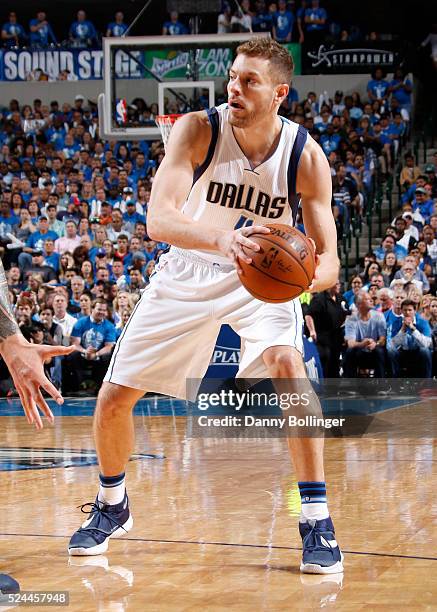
[(314, 512), (112, 489)]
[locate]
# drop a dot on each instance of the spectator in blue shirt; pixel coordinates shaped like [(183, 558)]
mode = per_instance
[(94, 337), (315, 24), (82, 32), (330, 140), (283, 21), (315, 18), (117, 27), (388, 245), (411, 343), (6, 215), (41, 33), (174, 27), (365, 335), (400, 87), (262, 21), (377, 87), (423, 203), (51, 258), (13, 33)]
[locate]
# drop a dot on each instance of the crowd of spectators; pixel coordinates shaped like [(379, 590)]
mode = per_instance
[(386, 321), (361, 138), (287, 21), (40, 33), (73, 236)]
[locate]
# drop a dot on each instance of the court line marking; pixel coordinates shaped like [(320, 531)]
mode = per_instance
[(203, 543)]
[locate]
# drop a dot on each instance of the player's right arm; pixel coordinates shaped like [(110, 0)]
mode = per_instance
[(186, 150)]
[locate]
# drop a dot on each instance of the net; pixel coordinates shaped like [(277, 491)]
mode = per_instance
[(165, 124)]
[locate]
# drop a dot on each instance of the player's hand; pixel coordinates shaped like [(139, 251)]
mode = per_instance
[(25, 362), (232, 242), (326, 272)]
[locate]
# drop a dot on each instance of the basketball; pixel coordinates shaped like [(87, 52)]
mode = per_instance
[(283, 268)]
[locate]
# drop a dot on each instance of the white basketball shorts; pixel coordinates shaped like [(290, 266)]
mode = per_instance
[(171, 334)]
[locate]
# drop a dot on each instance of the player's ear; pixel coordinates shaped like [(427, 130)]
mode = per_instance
[(281, 92)]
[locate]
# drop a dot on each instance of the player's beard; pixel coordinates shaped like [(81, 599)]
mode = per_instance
[(245, 121)]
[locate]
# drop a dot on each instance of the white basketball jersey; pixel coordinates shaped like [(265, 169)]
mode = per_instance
[(228, 194)]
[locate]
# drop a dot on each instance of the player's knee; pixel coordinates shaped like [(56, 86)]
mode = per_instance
[(111, 404), (284, 362)]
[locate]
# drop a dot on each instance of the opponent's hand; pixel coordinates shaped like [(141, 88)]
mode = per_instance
[(232, 242), (25, 362)]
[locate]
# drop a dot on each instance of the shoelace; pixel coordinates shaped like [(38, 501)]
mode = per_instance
[(310, 540), (96, 509)]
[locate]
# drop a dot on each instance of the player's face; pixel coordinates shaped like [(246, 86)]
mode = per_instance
[(251, 92)]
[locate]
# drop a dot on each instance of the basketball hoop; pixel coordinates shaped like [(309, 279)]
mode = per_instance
[(165, 124)]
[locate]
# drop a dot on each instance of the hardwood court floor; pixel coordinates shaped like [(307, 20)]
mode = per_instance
[(215, 526)]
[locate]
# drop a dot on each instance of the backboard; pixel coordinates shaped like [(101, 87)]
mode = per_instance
[(175, 74)]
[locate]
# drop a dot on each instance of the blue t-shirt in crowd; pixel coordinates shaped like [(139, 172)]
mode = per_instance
[(425, 208), (52, 261), (329, 142), (315, 13), (92, 333), (402, 96), (357, 329), (12, 220), (262, 22), (390, 318), (175, 29), (378, 88), (16, 29), (399, 251), (43, 35), (117, 29), (283, 23), (83, 31), (293, 95), (36, 240), (349, 297)]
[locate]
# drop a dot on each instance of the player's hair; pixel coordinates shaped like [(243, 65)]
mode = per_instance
[(278, 56)]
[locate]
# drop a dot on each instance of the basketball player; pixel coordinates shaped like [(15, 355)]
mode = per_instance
[(25, 363), (235, 165)]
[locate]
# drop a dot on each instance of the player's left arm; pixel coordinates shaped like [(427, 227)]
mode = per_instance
[(314, 183)]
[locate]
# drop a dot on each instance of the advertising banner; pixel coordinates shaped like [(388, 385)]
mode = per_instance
[(85, 64)]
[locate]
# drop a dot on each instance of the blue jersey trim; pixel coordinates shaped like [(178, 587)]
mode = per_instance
[(293, 197), (214, 121)]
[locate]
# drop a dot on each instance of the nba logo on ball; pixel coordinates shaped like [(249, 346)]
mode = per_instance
[(121, 111)]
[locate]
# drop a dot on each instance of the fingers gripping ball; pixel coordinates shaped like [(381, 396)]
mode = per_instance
[(284, 266)]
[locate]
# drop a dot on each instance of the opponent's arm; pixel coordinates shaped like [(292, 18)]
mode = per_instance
[(25, 361), (314, 183), (186, 149)]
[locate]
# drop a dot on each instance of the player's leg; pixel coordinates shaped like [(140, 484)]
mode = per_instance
[(114, 439), (321, 553), (113, 426), (272, 346), (168, 340)]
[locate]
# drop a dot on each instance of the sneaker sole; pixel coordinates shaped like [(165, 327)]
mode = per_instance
[(313, 568), (103, 547)]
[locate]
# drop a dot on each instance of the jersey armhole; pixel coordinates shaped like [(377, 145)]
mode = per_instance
[(214, 121), (296, 152)]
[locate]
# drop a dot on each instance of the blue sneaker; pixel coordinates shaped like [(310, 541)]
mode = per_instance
[(103, 522), (321, 553)]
